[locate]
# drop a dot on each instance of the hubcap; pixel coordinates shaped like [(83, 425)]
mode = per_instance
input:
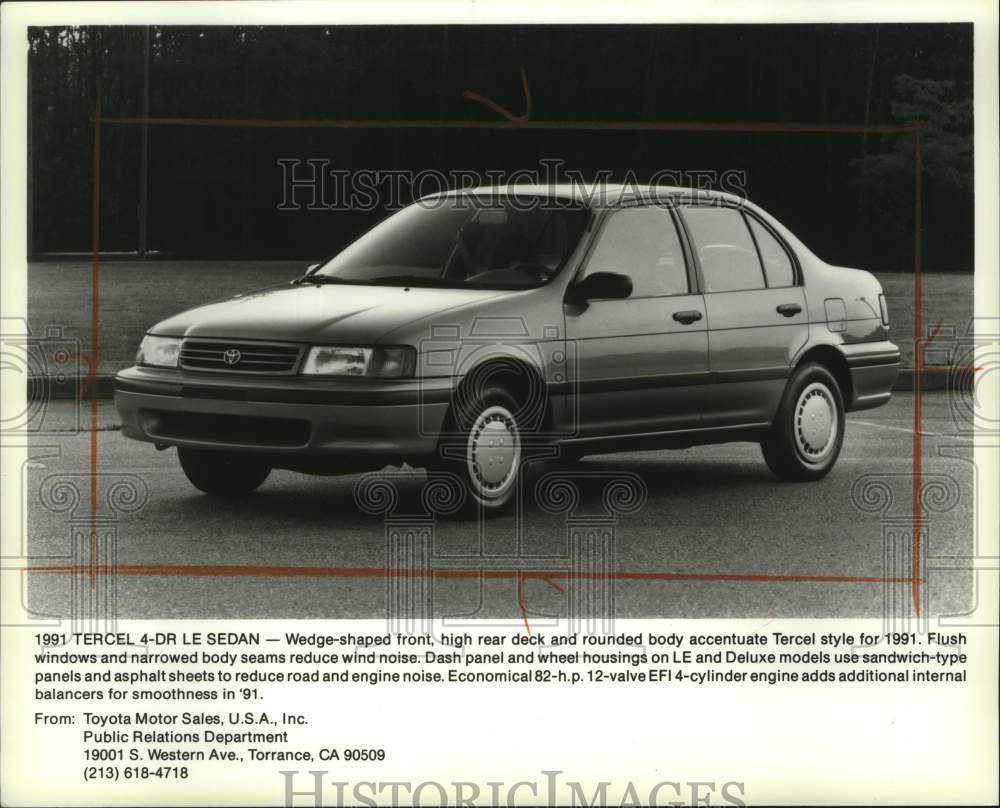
[(493, 452), (815, 423)]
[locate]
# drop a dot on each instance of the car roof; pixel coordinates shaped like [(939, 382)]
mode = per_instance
[(595, 194)]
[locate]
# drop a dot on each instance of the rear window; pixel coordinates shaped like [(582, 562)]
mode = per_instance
[(777, 263)]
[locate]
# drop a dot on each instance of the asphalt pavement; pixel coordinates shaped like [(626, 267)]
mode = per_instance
[(701, 532)]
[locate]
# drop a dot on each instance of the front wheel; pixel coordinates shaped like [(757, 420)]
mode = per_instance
[(482, 445), (805, 439), (224, 474)]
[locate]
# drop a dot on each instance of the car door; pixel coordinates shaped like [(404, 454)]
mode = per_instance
[(641, 362), (756, 310)]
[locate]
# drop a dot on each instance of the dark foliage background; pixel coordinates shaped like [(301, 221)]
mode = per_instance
[(214, 192)]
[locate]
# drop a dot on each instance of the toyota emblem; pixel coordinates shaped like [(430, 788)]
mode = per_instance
[(231, 357)]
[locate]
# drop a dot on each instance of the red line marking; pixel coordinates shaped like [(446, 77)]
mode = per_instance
[(234, 570), (597, 126), (94, 334), (520, 602), (918, 361)]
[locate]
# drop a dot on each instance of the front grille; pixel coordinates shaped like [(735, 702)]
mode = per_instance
[(230, 430), (239, 356)]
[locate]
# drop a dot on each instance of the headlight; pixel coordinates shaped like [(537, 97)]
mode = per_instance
[(378, 363), (160, 352)]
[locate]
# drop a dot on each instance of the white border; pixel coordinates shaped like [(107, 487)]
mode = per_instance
[(919, 745)]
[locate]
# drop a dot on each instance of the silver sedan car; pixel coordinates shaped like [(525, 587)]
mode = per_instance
[(474, 330)]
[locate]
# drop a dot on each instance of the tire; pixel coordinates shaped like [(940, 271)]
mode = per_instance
[(223, 474), (805, 439), (483, 445)]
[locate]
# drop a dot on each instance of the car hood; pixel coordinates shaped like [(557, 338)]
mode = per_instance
[(319, 314)]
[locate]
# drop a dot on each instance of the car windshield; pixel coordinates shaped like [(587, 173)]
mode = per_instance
[(459, 242)]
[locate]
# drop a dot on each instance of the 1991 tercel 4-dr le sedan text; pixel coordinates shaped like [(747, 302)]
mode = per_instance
[(474, 329)]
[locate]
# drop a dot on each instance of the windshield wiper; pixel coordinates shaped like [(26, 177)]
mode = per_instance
[(319, 280), (414, 280)]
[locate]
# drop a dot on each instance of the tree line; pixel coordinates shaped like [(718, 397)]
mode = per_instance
[(214, 192)]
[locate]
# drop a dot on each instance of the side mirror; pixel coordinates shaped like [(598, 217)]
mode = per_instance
[(600, 286)]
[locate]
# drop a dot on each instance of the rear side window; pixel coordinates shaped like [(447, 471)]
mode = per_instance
[(642, 243), (727, 254), (777, 263)]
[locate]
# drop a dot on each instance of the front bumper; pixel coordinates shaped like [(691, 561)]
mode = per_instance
[(389, 419)]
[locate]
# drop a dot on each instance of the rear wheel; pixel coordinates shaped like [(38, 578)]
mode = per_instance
[(805, 439), (224, 474)]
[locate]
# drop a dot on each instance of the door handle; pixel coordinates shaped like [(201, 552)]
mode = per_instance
[(789, 309), (687, 317)]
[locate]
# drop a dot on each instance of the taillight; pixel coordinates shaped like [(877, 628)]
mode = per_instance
[(884, 309)]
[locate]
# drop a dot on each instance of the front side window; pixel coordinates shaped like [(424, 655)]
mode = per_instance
[(642, 243), (726, 253), (459, 243)]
